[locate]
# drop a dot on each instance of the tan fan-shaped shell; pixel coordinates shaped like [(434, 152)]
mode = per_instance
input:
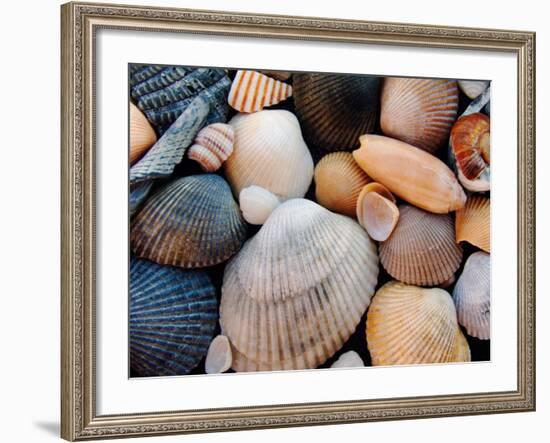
[(473, 222), (142, 134), (420, 112), (252, 91), (212, 146), (377, 211), (269, 152), (472, 296), (422, 249), (257, 204), (191, 222), (473, 88), (410, 173), (410, 325), (338, 182), (296, 291)]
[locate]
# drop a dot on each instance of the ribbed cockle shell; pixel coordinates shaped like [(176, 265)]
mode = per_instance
[(252, 91), (473, 222), (410, 173), (142, 134), (212, 146)]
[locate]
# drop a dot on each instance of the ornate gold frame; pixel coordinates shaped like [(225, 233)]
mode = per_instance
[(79, 420)]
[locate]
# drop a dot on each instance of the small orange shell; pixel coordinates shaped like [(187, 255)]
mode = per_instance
[(473, 222), (377, 211), (470, 142), (420, 112), (338, 182), (252, 91), (142, 134), (212, 146)]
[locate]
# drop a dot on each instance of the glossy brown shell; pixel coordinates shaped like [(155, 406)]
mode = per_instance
[(470, 139)]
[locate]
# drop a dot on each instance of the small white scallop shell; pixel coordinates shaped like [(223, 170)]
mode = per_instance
[(219, 356), (252, 91), (257, 203), (472, 296), (473, 88), (350, 359)]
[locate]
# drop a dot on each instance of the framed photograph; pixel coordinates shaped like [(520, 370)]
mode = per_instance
[(283, 221)]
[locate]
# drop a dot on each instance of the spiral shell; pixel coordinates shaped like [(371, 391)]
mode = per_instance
[(297, 290), (173, 315), (336, 109), (419, 112), (212, 146), (192, 222), (338, 182), (257, 204), (473, 88), (410, 173), (422, 249), (142, 134), (470, 146), (472, 296), (410, 325), (252, 91), (473, 222), (269, 152), (377, 211)]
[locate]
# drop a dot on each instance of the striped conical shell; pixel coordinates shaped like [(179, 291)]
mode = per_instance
[(252, 91), (338, 182), (257, 204), (376, 211), (297, 290), (335, 109), (212, 146), (409, 325), (472, 296), (142, 134), (473, 222), (192, 222), (417, 111), (269, 152), (410, 173), (473, 88), (422, 249), (173, 315)]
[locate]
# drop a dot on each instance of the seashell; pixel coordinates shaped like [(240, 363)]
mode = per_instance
[(334, 109), (164, 93), (212, 146), (422, 249), (142, 134), (252, 91), (219, 356), (138, 193), (377, 212), (350, 359), (419, 112), (448, 283), (168, 151), (192, 222), (173, 315), (257, 204), (472, 296), (410, 173), (278, 75), (473, 222), (379, 189), (338, 182), (473, 88), (470, 147), (269, 152), (296, 291), (410, 325)]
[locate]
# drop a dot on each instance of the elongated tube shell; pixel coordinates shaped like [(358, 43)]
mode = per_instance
[(212, 146), (410, 325), (192, 222), (422, 249), (410, 173), (417, 111), (252, 91), (473, 222), (296, 291), (472, 296), (269, 152), (142, 134), (338, 182)]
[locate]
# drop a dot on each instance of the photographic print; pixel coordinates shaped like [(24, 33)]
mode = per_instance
[(294, 220)]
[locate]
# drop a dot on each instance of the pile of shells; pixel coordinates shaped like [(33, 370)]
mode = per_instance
[(283, 221)]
